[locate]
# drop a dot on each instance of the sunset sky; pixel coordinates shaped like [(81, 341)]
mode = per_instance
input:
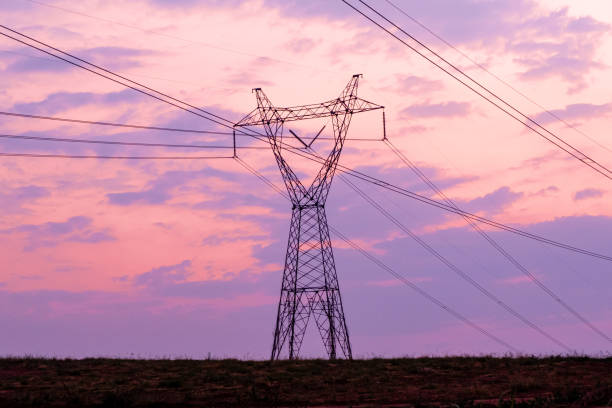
[(173, 258)]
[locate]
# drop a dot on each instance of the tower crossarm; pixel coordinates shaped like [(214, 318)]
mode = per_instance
[(351, 105)]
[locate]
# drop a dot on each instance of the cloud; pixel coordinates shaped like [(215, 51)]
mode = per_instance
[(164, 187), (14, 6), (436, 110), (517, 280), (289, 8), (546, 43), (75, 229), (62, 101), (586, 24), (557, 45), (109, 57), (546, 191), (219, 239), (154, 195), (193, 3), (13, 199), (164, 275), (574, 112), (493, 202), (396, 282), (250, 77), (588, 193), (26, 64), (414, 129), (415, 84), (301, 45), (159, 191), (173, 281), (570, 68), (31, 277), (113, 57)]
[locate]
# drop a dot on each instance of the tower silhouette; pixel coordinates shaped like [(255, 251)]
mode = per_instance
[(310, 284)]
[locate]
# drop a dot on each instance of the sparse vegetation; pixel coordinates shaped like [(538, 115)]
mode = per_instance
[(411, 382)]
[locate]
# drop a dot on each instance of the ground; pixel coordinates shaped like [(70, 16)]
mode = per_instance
[(406, 382)]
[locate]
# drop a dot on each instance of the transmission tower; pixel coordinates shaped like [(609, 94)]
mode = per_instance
[(310, 284)]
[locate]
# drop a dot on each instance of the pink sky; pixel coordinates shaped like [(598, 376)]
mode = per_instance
[(175, 258)]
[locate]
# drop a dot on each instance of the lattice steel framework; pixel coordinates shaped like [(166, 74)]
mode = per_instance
[(310, 284)]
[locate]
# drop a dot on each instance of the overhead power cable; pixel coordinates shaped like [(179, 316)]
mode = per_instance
[(421, 292), (517, 115), (462, 274), (75, 156), (119, 143), (426, 200), (119, 79), (390, 270), (257, 135), (166, 35), (122, 80), (465, 276), (506, 83), (168, 129), (123, 125), (518, 265)]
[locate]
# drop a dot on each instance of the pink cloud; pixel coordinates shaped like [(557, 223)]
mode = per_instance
[(573, 112), (75, 229), (436, 110), (588, 193), (395, 282), (516, 280), (412, 84)]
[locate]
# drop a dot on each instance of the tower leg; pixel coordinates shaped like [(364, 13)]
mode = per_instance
[(310, 287)]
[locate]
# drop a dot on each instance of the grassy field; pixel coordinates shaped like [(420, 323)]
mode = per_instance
[(418, 382)]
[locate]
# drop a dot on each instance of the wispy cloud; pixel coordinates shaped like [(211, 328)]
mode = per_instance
[(573, 112), (75, 229), (588, 193), (436, 110), (62, 101), (14, 199), (493, 202)]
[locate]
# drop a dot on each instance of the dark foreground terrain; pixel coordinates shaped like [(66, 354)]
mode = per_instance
[(450, 382)]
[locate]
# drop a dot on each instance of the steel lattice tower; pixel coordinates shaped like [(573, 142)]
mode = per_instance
[(310, 284)]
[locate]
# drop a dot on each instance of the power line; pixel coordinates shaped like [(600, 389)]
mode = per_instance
[(402, 191), (399, 190), (217, 47), (122, 81), (114, 124), (449, 264), (482, 67), (421, 292), (134, 74), (525, 121), (127, 83), (390, 270), (118, 143), (72, 156), (192, 109), (496, 245), (126, 125), (453, 267)]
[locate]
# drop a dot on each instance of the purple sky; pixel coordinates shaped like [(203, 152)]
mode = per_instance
[(184, 258)]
